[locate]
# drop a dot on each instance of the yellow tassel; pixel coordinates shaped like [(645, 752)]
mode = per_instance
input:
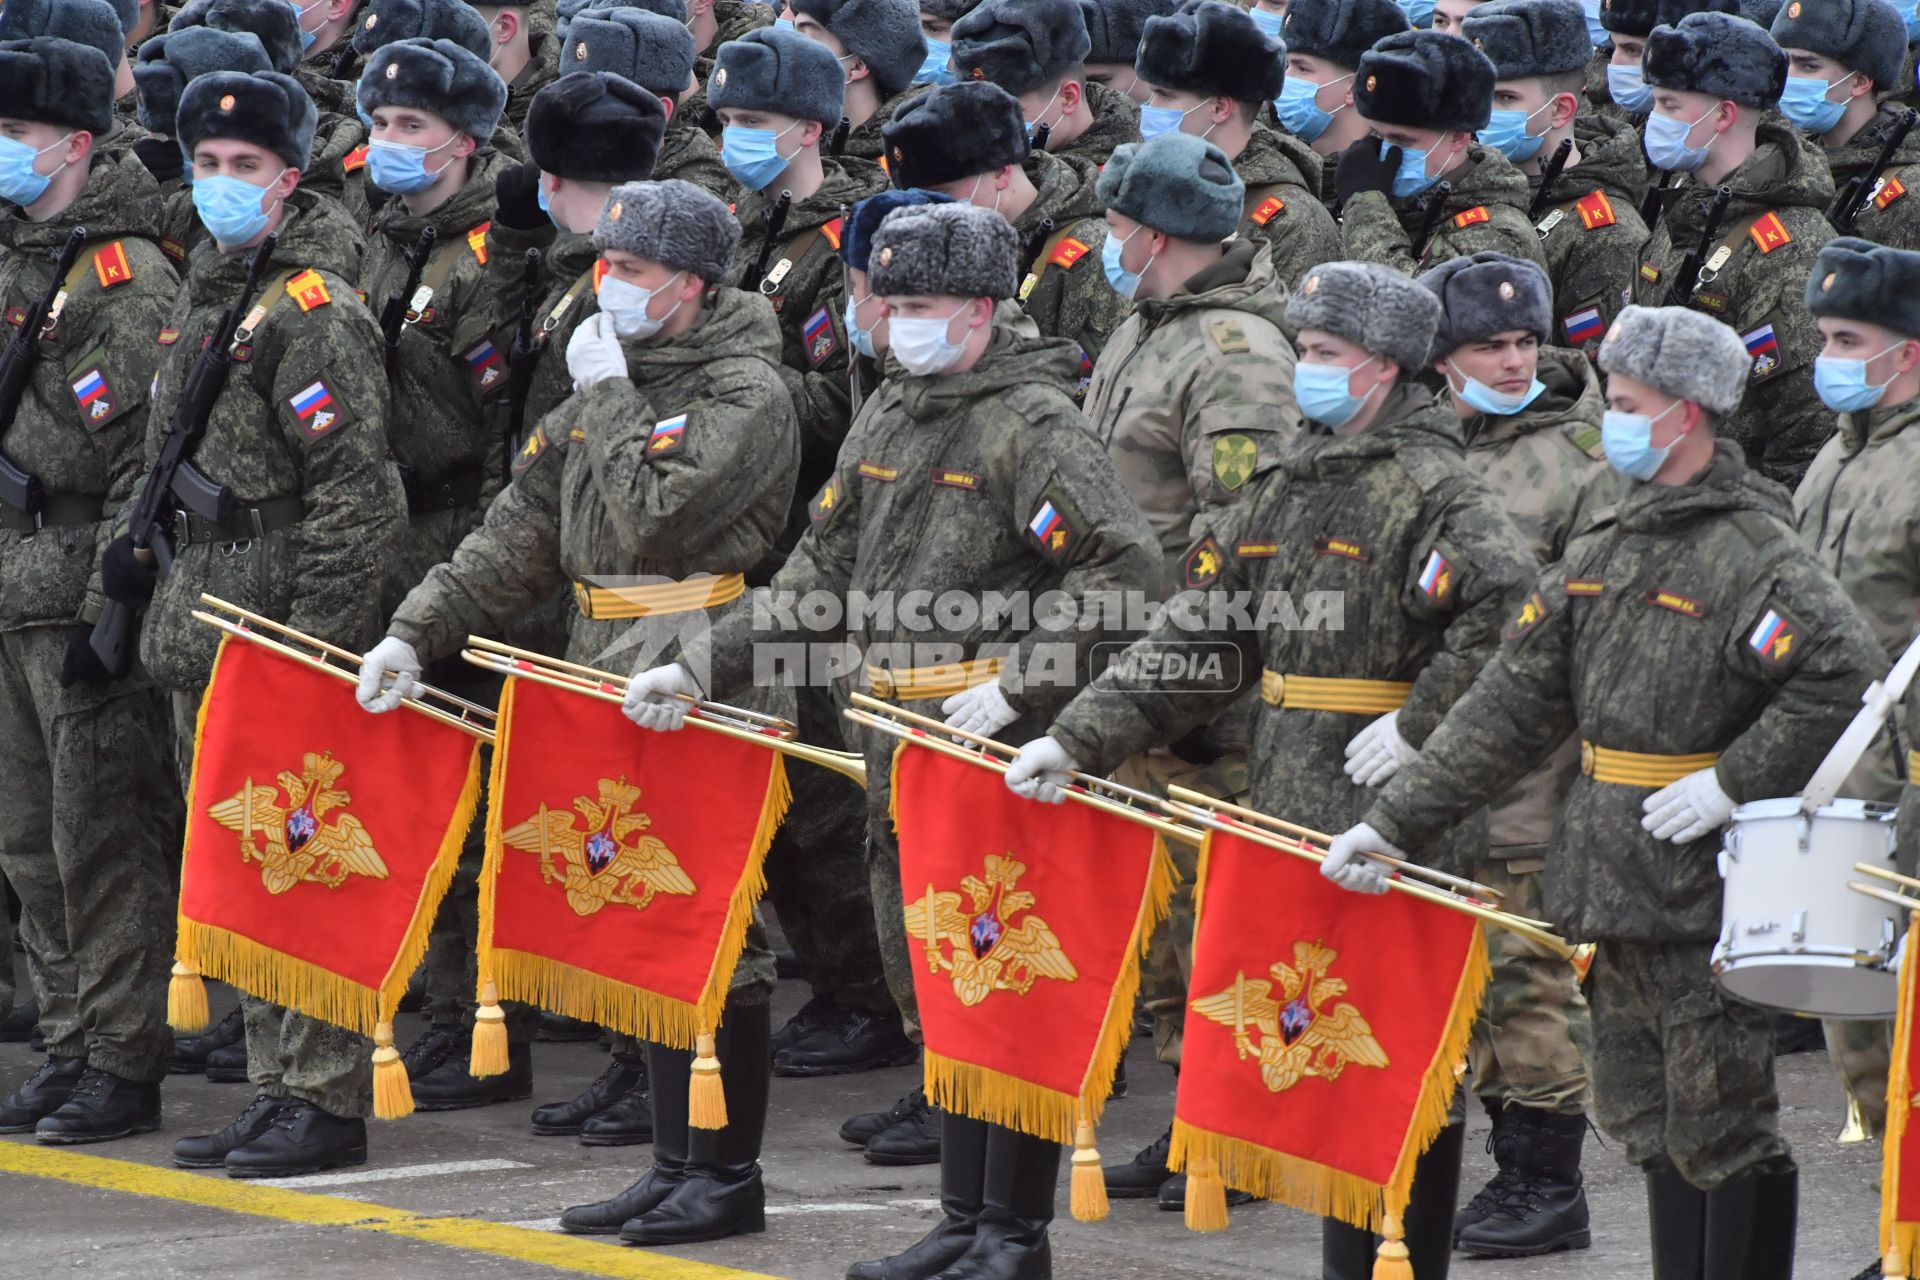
[(1089, 1197), (187, 1000), (489, 1034), (1206, 1196), (392, 1094), (706, 1100), (1894, 1265), (1392, 1261)]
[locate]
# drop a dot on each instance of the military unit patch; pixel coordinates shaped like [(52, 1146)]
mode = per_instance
[(823, 502), (1582, 326), (818, 338), (1234, 456), (530, 451), (1774, 637), (95, 398), (1765, 350), (1436, 576), (669, 437), (1533, 611), (487, 366), (1051, 530), (1202, 565), (315, 409)]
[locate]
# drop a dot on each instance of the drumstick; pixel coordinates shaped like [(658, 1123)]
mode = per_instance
[(1881, 873), (1884, 895)]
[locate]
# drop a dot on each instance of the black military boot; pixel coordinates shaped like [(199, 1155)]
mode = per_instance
[(1545, 1207), (1750, 1226), (209, 1150), (912, 1140), (1347, 1253), (1141, 1177), (563, 1119), (430, 1049), (815, 1013), (671, 1071), (863, 1128), (1501, 1149), (452, 1087), (963, 1177), (1677, 1222), (40, 1094), (1016, 1209), (102, 1107), (228, 1064), (722, 1194), (557, 1028), (189, 1056), (1172, 1197), (17, 1023), (627, 1120), (847, 1041), (301, 1139)]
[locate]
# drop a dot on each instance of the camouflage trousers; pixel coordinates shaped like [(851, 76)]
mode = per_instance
[(1169, 960), (1534, 1037), (1682, 1074), (91, 819), (289, 1054), (1862, 1052)]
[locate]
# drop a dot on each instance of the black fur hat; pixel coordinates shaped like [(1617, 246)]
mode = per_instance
[(1526, 38), (1717, 54), (1340, 31), (1020, 45), (593, 126), (1212, 47), (1638, 18), (88, 22), (169, 61), (437, 76), (58, 82), (650, 49), (1868, 36), (1425, 79), (1855, 279), (268, 109), (389, 20), (272, 22), (954, 131)]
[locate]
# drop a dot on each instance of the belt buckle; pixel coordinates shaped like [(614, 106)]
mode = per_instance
[(1586, 758), (182, 527), (883, 685), (583, 600)]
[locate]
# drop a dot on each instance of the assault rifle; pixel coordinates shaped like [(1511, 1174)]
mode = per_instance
[(20, 489)]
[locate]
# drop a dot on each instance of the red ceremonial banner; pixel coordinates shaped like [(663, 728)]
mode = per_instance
[(1900, 1155), (622, 865), (1026, 923), (320, 839), (1324, 1032)]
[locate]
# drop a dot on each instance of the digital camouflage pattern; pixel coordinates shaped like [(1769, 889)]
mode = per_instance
[(1759, 291), (867, 140), (1593, 230), (691, 156), (1891, 213), (1116, 120), (541, 70), (731, 19), (1533, 1038), (1300, 233), (1066, 290), (1487, 209)]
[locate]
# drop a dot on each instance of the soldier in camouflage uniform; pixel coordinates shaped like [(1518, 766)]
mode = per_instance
[(326, 36), (298, 436), (1325, 41), (1715, 77), (880, 45), (1424, 94), (1209, 70), (527, 59), (102, 25), (167, 62), (1532, 419), (1610, 645), (1114, 28), (90, 807), (713, 24), (1023, 499), (598, 501), (1589, 220), (1037, 51), (1622, 92), (1372, 505)]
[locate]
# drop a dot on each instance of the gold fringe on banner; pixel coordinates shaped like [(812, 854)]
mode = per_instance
[(1899, 1241)]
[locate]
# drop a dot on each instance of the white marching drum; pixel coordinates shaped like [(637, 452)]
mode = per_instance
[(1792, 935)]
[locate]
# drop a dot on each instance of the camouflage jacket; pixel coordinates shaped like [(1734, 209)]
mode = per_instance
[(541, 70), (565, 298), (867, 140), (1116, 120), (1643, 638), (447, 404), (1487, 209), (1332, 547), (1890, 214), (1773, 228), (732, 19), (1283, 209), (1065, 289), (330, 96), (689, 155), (82, 416), (1193, 396), (303, 415), (1591, 233), (597, 496)]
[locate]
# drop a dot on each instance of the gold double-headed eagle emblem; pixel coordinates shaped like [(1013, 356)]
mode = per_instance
[(1302, 1038), (609, 862), (293, 842), (989, 952)]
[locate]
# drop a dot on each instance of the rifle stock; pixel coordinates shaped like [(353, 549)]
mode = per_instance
[(20, 489), (395, 315), (1687, 275), (776, 223), (1430, 217), (1548, 176)]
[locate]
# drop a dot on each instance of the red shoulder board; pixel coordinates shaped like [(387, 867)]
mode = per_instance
[(477, 242), (1268, 209), (1476, 214), (1890, 190), (599, 273), (831, 231), (356, 159), (1769, 232), (1595, 210), (111, 265), (308, 290), (1067, 252)]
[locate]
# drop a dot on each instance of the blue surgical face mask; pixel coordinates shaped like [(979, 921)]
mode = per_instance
[(862, 339), (1268, 21), (783, 24), (1804, 102), (1155, 121), (366, 117), (753, 155), (230, 207), (1299, 109), (1481, 398), (1627, 439), (1598, 35), (1412, 178), (1666, 142), (540, 195), (626, 305), (1627, 86), (19, 182), (1321, 391), (1419, 12), (1506, 132), (1125, 283), (1842, 383), (934, 68), (300, 13), (399, 169)]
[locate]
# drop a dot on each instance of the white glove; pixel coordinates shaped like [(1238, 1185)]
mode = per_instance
[(652, 701), (1687, 809), (594, 354), (392, 663), (1899, 960), (1348, 866), (1040, 770), (982, 709), (1377, 752)]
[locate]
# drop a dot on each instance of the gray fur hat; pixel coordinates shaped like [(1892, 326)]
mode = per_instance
[(954, 131), (593, 126), (1177, 184), (1426, 79), (884, 34), (780, 71), (1720, 55), (266, 108), (1681, 352), (673, 223), (1371, 306), (386, 21), (437, 76), (59, 82), (1855, 279), (1868, 36), (88, 22), (650, 49), (1114, 27), (1212, 47), (1640, 17), (275, 25), (1485, 293), (956, 250), (170, 61), (1020, 45), (1526, 38), (1340, 31)]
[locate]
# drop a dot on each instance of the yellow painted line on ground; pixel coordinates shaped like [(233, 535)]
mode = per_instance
[(263, 1200)]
